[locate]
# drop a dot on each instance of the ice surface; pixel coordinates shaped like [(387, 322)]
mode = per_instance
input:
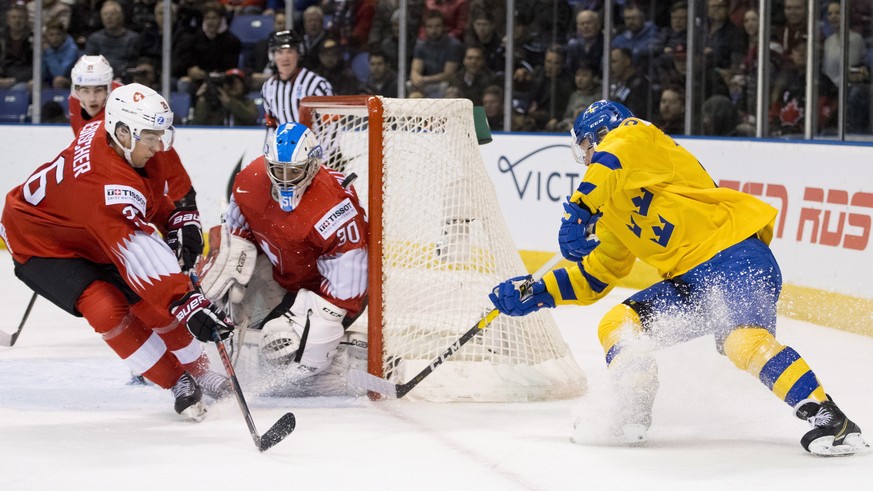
[(68, 421)]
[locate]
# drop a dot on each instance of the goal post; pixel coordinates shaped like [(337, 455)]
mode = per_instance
[(438, 244)]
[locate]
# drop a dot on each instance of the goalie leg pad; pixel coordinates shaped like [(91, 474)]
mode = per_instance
[(228, 269), (306, 337)]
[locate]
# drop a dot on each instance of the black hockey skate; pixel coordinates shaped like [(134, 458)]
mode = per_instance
[(189, 398), (832, 433), (214, 385)]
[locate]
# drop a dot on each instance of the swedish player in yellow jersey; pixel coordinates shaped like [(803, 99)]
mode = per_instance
[(644, 196)]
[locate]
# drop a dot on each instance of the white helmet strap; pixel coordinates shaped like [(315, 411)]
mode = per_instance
[(127, 151)]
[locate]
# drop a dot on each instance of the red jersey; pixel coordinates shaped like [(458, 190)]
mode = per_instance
[(320, 246), (90, 203), (166, 173)]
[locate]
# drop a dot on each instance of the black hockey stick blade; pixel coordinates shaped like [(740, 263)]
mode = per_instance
[(278, 432), (10, 339), (281, 428)]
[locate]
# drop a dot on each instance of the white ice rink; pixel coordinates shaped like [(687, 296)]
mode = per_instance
[(69, 422)]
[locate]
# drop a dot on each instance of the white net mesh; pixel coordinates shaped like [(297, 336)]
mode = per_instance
[(445, 245)]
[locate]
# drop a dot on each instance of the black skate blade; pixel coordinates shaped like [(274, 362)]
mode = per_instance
[(278, 432)]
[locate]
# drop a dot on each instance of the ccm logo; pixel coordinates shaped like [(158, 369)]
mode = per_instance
[(331, 312)]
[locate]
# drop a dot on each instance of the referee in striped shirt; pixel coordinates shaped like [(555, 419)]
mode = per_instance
[(290, 82)]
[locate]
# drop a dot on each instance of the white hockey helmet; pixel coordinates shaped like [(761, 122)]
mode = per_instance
[(292, 157), (139, 108), (92, 71)]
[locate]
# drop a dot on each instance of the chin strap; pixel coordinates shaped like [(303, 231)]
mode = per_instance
[(126, 151)]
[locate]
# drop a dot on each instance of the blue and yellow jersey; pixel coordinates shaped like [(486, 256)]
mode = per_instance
[(659, 205)]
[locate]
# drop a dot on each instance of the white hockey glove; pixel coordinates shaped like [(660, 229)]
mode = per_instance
[(304, 339), (185, 237), (227, 271)]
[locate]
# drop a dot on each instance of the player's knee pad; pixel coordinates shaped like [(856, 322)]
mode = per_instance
[(750, 348), (306, 337), (620, 322), (103, 306)]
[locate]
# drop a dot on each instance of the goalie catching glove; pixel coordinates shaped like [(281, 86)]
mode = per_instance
[(201, 317), (185, 237), (513, 296), (305, 338), (576, 236)]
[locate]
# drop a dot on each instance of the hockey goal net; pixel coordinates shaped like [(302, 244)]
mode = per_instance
[(438, 244)]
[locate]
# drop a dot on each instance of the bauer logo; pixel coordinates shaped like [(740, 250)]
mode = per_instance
[(535, 175), (116, 194), (335, 218)]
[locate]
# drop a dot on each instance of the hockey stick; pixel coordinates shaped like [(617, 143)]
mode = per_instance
[(281, 428), (10, 339), (372, 383)]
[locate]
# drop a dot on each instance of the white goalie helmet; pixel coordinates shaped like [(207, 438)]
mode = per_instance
[(292, 157), (139, 108), (92, 71)]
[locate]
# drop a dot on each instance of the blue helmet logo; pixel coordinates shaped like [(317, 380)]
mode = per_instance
[(599, 119)]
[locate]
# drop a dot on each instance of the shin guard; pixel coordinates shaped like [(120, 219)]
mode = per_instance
[(780, 368)]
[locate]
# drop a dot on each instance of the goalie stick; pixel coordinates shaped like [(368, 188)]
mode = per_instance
[(10, 339), (372, 383), (281, 428)]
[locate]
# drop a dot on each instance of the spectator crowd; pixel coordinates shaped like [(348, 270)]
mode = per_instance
[(457, 48)]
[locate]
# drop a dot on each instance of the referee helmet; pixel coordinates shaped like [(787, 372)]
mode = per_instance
[(284, 39)]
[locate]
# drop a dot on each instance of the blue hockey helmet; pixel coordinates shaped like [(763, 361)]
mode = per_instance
[(292, 157), (595, 122)]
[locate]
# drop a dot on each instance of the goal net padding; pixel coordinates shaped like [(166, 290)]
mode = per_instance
[(438, 244)]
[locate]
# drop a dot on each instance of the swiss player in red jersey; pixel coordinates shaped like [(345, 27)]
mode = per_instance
[(92, 81), (81, 235), (297, 214)]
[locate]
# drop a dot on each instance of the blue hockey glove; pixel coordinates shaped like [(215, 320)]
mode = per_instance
[(576, 236), (509, 298)]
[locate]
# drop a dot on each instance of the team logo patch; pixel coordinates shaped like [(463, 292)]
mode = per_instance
[(335, 218), (116, 194), (137, 96)]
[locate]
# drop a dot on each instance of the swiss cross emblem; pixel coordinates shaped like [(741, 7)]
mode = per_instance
[(137, 96)]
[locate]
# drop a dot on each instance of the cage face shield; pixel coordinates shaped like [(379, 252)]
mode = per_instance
[(292, 158)]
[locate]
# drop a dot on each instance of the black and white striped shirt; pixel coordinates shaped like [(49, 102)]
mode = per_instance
[(282, 98)]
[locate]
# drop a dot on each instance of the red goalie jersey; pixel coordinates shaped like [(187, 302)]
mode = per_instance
[(320, 246), (166, 173), (90, 203)]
